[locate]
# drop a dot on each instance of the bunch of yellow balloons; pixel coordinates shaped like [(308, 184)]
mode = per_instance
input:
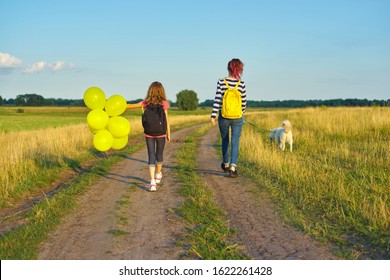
[(110, 129)]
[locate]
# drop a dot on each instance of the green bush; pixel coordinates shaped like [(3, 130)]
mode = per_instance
[(187, 100)]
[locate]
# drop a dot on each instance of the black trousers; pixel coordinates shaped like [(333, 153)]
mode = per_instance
[(155, 150)]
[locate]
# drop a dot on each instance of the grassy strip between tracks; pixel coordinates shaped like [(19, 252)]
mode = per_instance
[(207, 230)]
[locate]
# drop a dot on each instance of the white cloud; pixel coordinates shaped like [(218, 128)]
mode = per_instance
[(61, 65), (58, 66), (9, 61), (36, 67), (55, 67)]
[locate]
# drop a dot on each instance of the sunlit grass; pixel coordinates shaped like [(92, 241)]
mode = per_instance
[(32, 118), (28, 156), (335, 184)]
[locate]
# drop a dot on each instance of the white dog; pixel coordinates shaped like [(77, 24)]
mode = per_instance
[(281, 135)]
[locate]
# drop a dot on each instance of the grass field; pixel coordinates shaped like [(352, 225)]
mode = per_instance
[(40, 141), (334, 186), (32, 118)]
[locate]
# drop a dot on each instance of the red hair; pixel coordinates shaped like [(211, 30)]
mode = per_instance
[(235, 68)]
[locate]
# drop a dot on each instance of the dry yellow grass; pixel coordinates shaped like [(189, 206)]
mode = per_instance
[(339, 170), (26, 153)]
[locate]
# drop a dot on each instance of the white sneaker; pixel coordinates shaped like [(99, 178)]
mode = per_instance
[(158, 178), (152, 188)]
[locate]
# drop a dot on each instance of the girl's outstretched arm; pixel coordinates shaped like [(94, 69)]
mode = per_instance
[(134, 106)]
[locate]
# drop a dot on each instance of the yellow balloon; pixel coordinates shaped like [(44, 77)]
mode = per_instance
[(118, 126), (94, 131), (103, 140), (94, 98), (120, 143), (115, 105), (97, 119)]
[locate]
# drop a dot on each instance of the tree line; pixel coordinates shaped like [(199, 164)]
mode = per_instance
[(33, 99), (188, 100), (351, 102)]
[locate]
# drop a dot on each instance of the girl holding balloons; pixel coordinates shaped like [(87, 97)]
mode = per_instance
[(156, 137)]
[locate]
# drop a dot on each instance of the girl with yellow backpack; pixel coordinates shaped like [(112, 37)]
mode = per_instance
[(230, 105)]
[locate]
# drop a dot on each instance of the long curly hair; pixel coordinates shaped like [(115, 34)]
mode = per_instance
[(156, 94), (235, 68)]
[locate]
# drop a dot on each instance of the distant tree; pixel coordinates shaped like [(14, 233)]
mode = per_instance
[(187, 100), (77, 102), (315, 103), (20, 100), (35, 100), (207, 103), (1, 100), (9, 101), (135, 100), (30, 99)]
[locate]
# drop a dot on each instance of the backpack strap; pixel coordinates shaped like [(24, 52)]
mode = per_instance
[(239, 81)]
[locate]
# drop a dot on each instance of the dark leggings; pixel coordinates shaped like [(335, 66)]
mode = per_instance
[(155, 150)]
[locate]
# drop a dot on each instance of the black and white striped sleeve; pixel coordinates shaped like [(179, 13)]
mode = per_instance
[(217, 100), (243, 97)]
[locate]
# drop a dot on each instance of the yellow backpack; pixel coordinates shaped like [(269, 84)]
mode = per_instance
[(232, 103)]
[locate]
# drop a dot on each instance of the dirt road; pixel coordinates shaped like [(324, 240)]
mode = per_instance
[(118, 218)]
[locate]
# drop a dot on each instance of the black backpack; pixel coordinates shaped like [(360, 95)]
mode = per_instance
[(154, 120)]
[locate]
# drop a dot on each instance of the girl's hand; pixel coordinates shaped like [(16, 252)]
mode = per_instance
[(213, 122), (168, 138)]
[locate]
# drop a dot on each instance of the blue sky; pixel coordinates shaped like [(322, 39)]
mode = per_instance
[(292, 49)]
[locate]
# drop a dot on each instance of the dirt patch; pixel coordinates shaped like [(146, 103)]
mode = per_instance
[(118, 218)]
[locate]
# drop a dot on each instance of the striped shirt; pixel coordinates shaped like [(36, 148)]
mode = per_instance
[(221, 88)]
